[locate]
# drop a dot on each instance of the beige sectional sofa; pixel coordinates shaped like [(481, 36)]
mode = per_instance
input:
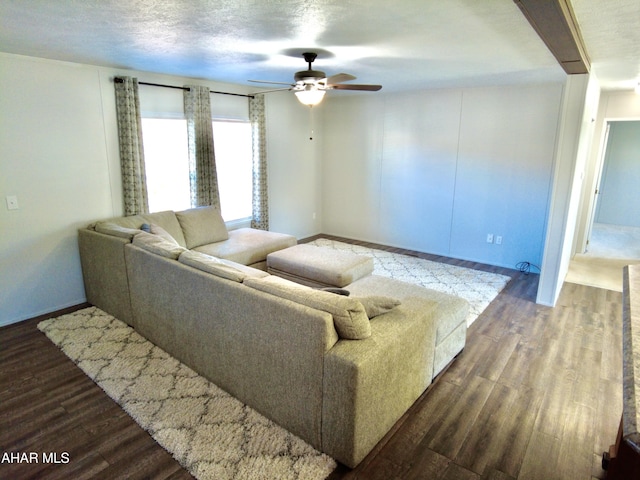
[(336, 371), (201, 229)]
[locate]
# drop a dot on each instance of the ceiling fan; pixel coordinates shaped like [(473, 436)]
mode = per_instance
[(311, 85)]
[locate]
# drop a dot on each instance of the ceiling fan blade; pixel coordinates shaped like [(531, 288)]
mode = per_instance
[(339, 78), (370, 88), (272, 83), (274, 90)]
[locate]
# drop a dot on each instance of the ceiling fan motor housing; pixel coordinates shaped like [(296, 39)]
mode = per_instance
[(307, 76)]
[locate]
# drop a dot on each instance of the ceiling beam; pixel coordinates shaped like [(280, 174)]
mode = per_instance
[(556, 24)]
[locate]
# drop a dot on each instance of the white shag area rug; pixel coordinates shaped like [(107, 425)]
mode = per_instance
[(477, 287), (209, 432)]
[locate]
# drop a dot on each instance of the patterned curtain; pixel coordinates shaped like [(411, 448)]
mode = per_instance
[(134, 182), (202, 162), (260, 215)]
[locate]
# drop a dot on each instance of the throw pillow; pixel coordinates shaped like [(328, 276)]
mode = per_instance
[(158, 230), (158, 245), (349, 317), (377, 305), (116, 230), (201, 226)]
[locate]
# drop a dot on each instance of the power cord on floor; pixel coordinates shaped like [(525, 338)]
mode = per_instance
[(525, 267)]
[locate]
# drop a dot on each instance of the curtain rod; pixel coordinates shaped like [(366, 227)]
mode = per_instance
[(119, 80)]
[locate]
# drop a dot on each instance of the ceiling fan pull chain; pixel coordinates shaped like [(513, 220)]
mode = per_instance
[(311, 121)]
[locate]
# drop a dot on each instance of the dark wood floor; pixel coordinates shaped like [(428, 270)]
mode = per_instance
[(536, 394)]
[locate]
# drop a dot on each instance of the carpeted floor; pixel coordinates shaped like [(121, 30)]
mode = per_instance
[(611, 248)]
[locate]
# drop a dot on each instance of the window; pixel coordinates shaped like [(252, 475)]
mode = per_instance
[(167, 165), (232, 144), (166, 158)]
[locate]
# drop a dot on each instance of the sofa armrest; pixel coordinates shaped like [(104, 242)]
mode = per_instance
[(105, 273), (370, 383)]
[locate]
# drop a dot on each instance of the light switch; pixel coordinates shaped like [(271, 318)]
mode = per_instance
[(12, 202)]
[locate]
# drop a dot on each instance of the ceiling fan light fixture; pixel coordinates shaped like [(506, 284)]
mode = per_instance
[(310, 96), (311, 85)]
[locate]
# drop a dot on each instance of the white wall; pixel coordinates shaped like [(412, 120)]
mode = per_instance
[(506, 155), (293, 165), (351, 166), (619, 196), (53, 158), (436, 171), (59, 156), (579, 109)]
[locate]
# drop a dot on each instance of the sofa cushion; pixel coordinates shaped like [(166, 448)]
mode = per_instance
[(451, 311), (168, 221), (131, 221), (158, 245), (219, 267), (318, 266), (158, 230), (248, 245), (109, 228), (349, 317), (376, 305), (201, 226)]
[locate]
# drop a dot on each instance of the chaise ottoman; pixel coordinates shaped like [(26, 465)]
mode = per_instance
[(318, 267), (449, 311)]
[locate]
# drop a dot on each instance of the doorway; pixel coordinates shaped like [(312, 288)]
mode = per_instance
[(614, 238)]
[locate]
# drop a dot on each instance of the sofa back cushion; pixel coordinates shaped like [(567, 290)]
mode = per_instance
[(158, 230), (110, 228), (158, 245), (167, 221), (201, 226), (117, 226), (219, 267), (349, 317)]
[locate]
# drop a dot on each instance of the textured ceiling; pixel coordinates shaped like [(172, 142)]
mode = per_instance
[(611, 33), (403, 45)]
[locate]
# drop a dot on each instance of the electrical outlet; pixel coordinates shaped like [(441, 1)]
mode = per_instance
[(499, 240), (12, 202), (489, 237)]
